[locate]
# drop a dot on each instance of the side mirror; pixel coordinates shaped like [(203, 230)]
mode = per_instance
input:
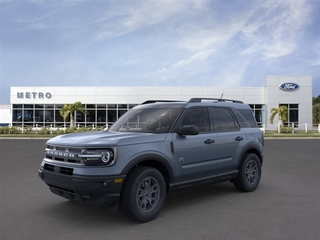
[(188, 130)]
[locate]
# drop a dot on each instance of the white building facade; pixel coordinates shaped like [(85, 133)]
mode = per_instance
[(39, 106)]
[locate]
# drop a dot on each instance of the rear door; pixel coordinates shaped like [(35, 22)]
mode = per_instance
[(230, 138)]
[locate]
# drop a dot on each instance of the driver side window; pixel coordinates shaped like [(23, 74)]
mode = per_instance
[(198, 117)]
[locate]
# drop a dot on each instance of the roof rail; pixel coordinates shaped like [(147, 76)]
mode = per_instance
[(213, 99), (155, 101)]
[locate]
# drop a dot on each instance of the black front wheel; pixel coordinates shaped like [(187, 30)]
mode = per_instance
[(249, 173), (143, 194)]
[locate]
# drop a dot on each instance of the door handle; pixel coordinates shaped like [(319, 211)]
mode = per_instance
[(209, 141), (239, 138)]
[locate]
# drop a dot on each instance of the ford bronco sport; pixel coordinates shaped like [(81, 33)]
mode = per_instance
[(156, 148)]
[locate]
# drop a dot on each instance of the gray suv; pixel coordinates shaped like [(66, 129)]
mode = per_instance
[(156, 148)]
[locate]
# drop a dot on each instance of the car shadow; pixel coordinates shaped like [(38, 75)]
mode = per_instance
[(76, 213)]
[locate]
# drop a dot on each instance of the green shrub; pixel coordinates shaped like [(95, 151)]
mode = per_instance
[(71, 130), (59, 131), (10, 130), (27, 129), (286, 129), (14, 130), (45, 130), (4, 130)]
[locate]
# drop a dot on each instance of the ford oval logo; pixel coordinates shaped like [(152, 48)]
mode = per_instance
[(289, 86)]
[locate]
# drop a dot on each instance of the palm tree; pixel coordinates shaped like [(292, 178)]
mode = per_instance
[(282, 112), (69, 109)]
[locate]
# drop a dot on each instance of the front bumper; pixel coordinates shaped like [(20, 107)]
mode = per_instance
[(91, 190)]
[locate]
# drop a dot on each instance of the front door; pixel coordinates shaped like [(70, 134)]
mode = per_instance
[(194, 155)]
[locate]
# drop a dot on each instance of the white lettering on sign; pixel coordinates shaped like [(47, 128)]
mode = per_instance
[(34, 95)]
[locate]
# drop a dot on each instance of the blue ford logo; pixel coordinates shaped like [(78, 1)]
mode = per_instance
[(289, 86)]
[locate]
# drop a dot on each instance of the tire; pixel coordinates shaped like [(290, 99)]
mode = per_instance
[(143, 194), (249, 173)]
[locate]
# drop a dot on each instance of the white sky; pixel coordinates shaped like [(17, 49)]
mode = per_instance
[(156, 42)]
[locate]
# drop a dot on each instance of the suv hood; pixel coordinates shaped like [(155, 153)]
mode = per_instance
[(105, 138)]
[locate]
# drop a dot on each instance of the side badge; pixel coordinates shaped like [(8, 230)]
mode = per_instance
[(181, 159)]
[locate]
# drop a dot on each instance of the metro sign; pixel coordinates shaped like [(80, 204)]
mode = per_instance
[(34, 95), (289, 86)]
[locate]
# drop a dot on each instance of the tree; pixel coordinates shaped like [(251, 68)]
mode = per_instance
[(316, 100), (282, 112), (68, 110), (316, 110), (316, 113)]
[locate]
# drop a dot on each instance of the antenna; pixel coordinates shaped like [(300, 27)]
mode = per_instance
[(221, 96)]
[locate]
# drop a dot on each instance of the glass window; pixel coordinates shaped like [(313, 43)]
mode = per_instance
[(91, 116), (38, 106), (248, 116), (49, 106), (16, 115), (241, 120), (291, 106), (92, 106), (121, 112), (223, 120), (259, 113), (58, 106), (17, 106), (58, 118), (79, 117), (132, 105), (123, 106), (38, 116), (101, 115), (28, 106), (49, 116), (198, 117), (112, 106), (112, 116), (293, 114), (102, 106), (27, 116), (152, 120)]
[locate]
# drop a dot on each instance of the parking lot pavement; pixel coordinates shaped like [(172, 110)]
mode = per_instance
[(286, 205)]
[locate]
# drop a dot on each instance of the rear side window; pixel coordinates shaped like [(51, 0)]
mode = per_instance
[(223, 120), (241, 120), (248, 116)]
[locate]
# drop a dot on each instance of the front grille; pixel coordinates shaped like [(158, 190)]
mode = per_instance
[(66, 171), (57, 169), (63, 154), (49, 167)]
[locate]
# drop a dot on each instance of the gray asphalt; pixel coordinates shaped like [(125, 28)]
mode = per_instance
[(286, 204)]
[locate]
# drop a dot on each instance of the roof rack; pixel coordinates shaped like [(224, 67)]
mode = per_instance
[(213, 99), (155, 101)]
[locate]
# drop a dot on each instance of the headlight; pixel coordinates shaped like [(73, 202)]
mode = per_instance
[(98, 157)]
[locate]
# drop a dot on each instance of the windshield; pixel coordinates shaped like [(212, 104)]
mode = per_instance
[(150, 120)]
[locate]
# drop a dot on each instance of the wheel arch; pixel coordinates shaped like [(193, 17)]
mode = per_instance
[(252, 149), (154, 161)]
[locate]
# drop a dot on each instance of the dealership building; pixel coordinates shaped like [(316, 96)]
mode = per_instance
[(39, 106)]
